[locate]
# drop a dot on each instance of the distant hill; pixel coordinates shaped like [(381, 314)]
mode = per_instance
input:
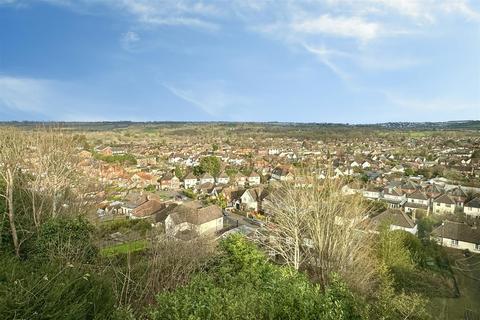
[(110, 125)]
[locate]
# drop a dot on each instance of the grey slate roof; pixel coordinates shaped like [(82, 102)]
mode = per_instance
[(458, 231), (395, 217)]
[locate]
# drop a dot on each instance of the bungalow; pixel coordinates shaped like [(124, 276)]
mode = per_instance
[(458, 235), (443, 204), (253, 179), (190, 181), (396, 219), (147, 209), (189, 220), (472, 208)]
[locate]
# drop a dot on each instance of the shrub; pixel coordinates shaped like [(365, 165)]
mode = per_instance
[(243, 284), (65, 239), (52, 291)]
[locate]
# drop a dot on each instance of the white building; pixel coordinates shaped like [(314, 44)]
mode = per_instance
[(472, 208), (458, 235), (444, 204)]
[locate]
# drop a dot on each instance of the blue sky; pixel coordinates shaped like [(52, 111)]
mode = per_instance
[(348, 61)]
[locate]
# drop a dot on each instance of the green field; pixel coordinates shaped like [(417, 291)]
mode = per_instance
[(128, 247), (467, 274)]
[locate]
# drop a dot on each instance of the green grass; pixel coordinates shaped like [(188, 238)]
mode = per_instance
[(123, 248), (467, 274)]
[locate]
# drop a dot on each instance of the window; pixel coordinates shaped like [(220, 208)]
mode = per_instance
[(454, 243), (447, 205)]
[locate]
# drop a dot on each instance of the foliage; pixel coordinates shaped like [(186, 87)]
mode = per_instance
[(210, 164), (64, 239), (220, 201), (124, 226), (150, 188), (190, 194), (394, 304), (376, 207), (242, 284), (231, 172), (392, 250), (179, 172), (52, 291), (409, 172), (123, 159), (123, 248)]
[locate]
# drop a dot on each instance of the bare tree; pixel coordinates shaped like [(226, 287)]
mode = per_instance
[(286, 235), (12, 156), (52, 167), (315, 227), (337, 229)]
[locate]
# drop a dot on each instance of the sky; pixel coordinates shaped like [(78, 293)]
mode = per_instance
[(344, 61)]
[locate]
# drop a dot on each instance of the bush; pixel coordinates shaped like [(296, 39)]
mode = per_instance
[(124, 226), (243, 284), (64, 239), (52, 291)]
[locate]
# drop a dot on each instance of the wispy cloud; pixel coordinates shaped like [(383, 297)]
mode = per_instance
[(171, 13), (340, 26), (211, 98), (325, 56)]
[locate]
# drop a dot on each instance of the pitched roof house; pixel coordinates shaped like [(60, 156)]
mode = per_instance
[(444, 204), (458, 235), (396, 219), (191, 219), (190, 181), (252, 199), (472, 208), (147, 209)]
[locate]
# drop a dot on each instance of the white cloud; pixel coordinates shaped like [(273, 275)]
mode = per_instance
[(342, 26), (170, 13)]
